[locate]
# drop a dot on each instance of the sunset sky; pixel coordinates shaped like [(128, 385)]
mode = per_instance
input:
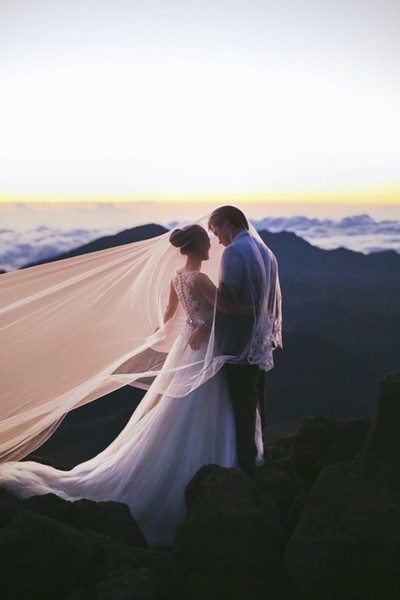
[(191, 100)]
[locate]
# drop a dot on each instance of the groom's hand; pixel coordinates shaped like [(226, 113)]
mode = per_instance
[(197, 337)]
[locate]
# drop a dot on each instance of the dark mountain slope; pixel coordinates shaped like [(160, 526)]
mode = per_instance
[(143, 232), (341, 334), (299, 258), (296, 256)]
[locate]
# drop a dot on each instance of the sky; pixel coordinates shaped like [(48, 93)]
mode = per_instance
[(189, 100)]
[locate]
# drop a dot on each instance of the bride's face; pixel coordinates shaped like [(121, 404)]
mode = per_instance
[(203, 246)]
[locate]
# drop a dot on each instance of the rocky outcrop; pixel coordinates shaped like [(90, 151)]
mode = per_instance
[(347, 542), (50, 548), (123, 572), (318, 520), (109, 518), (231, 538), (41, 556), (319, 442)]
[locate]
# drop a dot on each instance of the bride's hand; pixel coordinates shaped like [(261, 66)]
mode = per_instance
[(197, 337)]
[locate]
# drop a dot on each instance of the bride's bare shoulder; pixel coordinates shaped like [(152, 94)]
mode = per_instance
[(200, 276), (201, 281)]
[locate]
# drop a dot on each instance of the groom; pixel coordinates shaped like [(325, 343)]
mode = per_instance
[(245, 278)]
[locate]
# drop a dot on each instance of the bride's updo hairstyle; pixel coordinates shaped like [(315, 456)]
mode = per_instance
[(188, 237)]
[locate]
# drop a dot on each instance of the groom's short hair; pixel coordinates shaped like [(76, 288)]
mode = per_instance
[(233, 215)]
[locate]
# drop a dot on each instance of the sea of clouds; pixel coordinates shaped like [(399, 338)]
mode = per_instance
[(18, 248), (360, 233), (22, 245)]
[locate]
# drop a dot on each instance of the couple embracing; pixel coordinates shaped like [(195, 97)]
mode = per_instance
[(203, 406)]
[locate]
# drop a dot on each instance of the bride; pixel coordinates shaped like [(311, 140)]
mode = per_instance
[(184, 421)]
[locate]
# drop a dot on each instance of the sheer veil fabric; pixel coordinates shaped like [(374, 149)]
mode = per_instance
[(74, 330)]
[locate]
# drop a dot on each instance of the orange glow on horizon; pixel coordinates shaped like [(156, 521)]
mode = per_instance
[(380, 196)]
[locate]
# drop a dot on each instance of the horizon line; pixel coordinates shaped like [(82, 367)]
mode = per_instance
[(367, 197)]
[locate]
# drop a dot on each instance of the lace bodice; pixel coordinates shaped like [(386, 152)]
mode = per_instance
[(198, 310)]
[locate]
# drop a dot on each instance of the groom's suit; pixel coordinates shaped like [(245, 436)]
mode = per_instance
[(245, 264)]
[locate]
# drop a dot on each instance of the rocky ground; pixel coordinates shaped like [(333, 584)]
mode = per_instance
[(321, 519)]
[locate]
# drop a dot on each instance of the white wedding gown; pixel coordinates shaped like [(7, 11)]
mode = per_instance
[(161, 448)]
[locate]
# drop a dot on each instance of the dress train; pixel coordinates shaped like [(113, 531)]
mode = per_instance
[(152, 460)]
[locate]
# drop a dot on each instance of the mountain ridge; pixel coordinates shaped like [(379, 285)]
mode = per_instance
[(287, 245), (127, 236), (341, 334)]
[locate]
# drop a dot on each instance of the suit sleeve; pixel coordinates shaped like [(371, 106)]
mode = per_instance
[(231, 273)]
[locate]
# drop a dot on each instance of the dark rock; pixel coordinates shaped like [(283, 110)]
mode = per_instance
[(44, 555), (278, 484), (286, 441), (349, 440), (294, 513), (80, 594), (109, 518), (276, 455), (319, 441), (123, 584), (9, 505), (311, 445), (123, 572), (347, 542), (381, 454), (40, 558), (229, 539)]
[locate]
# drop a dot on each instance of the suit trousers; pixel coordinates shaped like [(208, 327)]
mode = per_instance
[(244, 385)]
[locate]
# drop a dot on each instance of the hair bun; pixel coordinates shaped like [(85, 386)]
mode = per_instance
[(178, 238), (186, 238)]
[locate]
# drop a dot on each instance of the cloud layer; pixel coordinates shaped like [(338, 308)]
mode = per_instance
[(359, 232), (20, 248)]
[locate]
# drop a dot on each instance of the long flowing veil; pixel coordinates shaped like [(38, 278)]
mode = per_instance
[(76, 329)]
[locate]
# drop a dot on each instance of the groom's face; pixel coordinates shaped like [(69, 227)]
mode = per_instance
[(223, 233)]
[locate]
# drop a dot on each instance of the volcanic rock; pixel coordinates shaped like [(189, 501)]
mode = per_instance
[(109, 518), (40, 558), (347, 542), (231, 541)]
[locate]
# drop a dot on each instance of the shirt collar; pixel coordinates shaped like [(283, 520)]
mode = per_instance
[(239, 235)]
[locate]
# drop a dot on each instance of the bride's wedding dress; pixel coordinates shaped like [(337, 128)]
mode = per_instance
[(166, 441)]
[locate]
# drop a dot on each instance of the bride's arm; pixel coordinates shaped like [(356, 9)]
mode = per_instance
[(204, 286), (173, 302)]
